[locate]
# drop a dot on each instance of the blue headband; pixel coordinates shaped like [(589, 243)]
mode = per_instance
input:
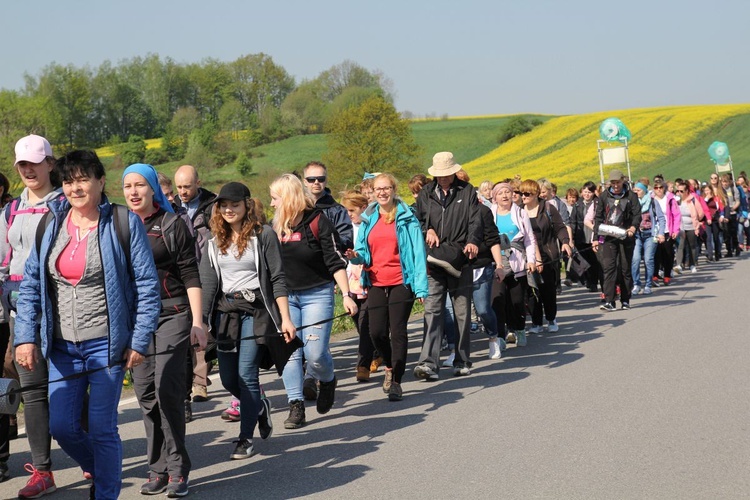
[(149, 173), (641, 186)]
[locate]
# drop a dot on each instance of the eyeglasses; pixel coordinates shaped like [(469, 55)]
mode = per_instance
[(658, 187), (384, 189), (319, 178), (527, 195)]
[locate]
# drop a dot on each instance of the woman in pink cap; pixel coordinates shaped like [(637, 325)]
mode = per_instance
[(35, 165)]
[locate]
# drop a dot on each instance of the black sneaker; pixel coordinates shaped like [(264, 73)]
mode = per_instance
[(326, 396), (265, 425), (395, 393), (244, 449), (310, 389), (178, 486), (608, 306), (155, 485), (188, 412), (626, 306), (296, 415)]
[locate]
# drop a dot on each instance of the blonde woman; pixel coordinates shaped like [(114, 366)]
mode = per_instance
[(312, 264)]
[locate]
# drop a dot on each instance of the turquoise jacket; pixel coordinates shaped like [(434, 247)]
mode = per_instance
[(410, 244)]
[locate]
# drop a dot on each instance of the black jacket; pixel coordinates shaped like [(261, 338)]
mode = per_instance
[(456, 219), (491, 238), (622, 210), (201, 217), (550, 231), (340, 219), (576, 222)]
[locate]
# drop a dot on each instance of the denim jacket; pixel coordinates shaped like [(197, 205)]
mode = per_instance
[(133, 301), (412, 252)]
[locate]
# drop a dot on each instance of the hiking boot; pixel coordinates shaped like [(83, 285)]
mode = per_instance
[(310, 389), (296, 415), (40, 483), (243, 449), (461, 370), (177, 487), (388, 380), (200, 393), (265, 425), (188, 412), (425, 372), (232, 413), (156, 484), (363, 374), (326, 396), (395, 393), (376, 364)]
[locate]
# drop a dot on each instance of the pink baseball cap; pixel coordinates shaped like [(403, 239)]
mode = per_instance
[(33, 149)]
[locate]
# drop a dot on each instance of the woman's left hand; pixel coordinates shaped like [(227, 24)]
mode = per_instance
[(132, 358), (566, 249), (198, 336), (26, 356), (350, 305)]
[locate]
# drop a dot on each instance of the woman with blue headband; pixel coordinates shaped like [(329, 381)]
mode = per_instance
[(159, 382)]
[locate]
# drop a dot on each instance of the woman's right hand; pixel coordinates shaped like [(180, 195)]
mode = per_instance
[(350, 254), (350, 305), (26, 356)]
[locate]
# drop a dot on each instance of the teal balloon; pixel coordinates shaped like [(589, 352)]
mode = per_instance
[(612, 129), (719, 152)]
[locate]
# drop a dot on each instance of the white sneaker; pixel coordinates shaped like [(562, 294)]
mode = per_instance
[(495, 351), (520, 338), (533, 329), (552, 326), (448, 363), (661, 274), (693, 269), (677, 269), (636, 290)]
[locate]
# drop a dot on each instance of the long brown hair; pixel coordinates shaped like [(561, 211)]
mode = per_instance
[(222, 231)]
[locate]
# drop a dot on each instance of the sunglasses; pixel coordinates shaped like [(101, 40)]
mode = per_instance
[(658, 187), (680, 190), (319, 178)]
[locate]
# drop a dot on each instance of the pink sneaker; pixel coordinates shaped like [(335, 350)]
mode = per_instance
[(40, 483), (232, 414)]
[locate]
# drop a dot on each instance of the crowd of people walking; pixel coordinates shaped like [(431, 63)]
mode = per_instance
[(167, 286)]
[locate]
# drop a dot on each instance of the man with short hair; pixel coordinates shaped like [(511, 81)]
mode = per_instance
[(315, 176), (199, 204), (448, 210)]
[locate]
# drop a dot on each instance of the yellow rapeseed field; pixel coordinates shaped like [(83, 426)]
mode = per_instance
[(565, 149), (107, 151)]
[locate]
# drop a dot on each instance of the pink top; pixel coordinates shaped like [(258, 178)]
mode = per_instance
[(72, 260), (386, 262)]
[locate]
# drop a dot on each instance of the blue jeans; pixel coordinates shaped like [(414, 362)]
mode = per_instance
[(305, 307), (645, 248), (98, 451), (239, 375), (482, 297)]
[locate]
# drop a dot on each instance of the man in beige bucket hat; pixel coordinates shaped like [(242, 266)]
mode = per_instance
[(448, 210)]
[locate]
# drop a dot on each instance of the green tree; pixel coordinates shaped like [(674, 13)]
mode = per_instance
[(518, 125), (132, 151), (371, 137), (67, 93)]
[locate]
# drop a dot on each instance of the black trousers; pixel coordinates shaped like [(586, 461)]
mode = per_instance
[(509, 302), (664, 258), (366, 348), (390, 308), (617, 257), (730, 235), (543, 302), (159, 384)]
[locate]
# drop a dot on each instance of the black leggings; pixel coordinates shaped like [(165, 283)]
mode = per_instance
[(366, 349), (509, 302), (390, 308)]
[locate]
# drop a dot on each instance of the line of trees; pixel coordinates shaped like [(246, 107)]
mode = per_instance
[(209, 108)]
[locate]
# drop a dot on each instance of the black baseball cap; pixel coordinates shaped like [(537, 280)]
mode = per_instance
[(233, 191)]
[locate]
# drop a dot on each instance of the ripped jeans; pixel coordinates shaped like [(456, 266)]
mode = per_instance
[(305, 307)]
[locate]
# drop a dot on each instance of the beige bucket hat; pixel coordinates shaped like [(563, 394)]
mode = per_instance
[(443, 165)]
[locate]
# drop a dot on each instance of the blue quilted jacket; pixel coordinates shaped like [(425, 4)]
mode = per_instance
[(133, 303)]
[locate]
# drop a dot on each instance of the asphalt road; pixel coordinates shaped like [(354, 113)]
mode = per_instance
[(648, 403)]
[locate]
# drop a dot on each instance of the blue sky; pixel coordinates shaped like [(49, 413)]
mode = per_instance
[(460, 57)]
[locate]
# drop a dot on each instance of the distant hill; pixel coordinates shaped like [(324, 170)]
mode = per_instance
[(668, 140)]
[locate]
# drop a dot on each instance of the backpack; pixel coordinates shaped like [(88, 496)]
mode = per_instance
[(10, 212), (122, 228)]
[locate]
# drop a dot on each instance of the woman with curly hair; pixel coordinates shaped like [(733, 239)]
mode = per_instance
[(245, 301)]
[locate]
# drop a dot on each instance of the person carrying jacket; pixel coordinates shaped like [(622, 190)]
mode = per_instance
[(448, 210), (619, 207), (391, 248), (99, 307)]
